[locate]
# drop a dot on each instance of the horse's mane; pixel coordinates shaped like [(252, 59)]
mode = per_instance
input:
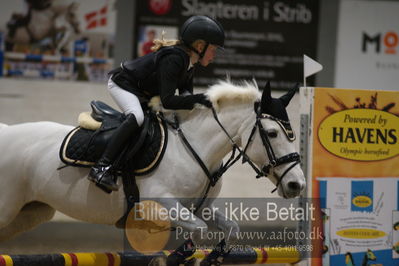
[(222, 93), (225, 92)]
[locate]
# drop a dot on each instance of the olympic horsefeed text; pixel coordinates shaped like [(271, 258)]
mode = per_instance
[(360, 134)]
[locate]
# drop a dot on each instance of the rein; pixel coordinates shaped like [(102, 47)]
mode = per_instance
[(213, 178), (293, 158), (273, 161)]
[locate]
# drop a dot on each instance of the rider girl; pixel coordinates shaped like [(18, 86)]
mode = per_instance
[(168, 68)]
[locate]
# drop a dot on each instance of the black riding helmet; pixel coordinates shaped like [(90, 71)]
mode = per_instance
[(204, 28)]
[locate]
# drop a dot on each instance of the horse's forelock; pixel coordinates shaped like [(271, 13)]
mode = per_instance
[(226, 91)]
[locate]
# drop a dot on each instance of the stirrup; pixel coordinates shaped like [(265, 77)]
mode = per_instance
[(106, 190), (107, 180), (103, 177)]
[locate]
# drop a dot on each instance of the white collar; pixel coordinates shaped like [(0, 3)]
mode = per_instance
[(191, 65)]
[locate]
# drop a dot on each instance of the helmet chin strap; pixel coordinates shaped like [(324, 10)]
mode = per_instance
[(200, 54)]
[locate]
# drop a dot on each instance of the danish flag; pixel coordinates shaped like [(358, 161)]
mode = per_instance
[(96, 18)]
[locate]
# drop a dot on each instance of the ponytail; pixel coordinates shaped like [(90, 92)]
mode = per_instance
[(159, 43)]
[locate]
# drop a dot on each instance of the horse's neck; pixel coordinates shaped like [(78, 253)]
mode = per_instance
[(208, 138)]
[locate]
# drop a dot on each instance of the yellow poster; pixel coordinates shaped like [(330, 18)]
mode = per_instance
[(355, 173), (356, 134)]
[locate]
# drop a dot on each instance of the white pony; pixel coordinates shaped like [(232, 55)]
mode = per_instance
[(31, 187)]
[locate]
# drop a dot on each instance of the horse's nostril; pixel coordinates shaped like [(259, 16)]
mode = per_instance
[(294, 186)]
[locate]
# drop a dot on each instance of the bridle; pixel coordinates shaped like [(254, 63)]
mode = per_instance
[(293, 158)]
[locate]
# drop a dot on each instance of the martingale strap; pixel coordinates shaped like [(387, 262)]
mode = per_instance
[(176, 126), (236, 147), (213, 179)]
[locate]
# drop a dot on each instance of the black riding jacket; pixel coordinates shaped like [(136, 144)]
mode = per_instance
[(159, 73)]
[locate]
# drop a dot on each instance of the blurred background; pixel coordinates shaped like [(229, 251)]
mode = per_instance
[(55, 56), (355, 40)]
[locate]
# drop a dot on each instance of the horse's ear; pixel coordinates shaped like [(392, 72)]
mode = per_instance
[(267, 94), (286, 98)]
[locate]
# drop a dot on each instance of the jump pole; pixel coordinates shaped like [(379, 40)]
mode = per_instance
[(246, 256)]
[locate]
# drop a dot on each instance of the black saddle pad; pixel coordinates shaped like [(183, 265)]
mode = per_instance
[(83, 147)]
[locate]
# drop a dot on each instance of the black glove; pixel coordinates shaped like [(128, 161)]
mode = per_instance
[(202, 99)]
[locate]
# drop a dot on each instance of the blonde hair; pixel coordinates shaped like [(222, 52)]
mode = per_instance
[(196, 42), (159, 43)]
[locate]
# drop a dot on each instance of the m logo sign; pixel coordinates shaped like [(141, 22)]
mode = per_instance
[(389, 42)]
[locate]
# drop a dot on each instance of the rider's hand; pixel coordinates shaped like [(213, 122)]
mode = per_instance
[(202, 99)]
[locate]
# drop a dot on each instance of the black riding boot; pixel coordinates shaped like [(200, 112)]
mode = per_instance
[(102, 173)]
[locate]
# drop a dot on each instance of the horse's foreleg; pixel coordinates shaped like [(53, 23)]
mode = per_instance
[(31, 215), (229, 227), (187, 224), (217, 255), (181, 254), (189, 228), (230, 230)]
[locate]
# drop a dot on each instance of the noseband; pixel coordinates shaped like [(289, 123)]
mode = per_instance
[(293, 157)]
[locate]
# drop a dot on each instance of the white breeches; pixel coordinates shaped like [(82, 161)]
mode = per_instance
[(127, 102)]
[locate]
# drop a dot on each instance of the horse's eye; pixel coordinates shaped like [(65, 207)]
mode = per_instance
[(272, 134)]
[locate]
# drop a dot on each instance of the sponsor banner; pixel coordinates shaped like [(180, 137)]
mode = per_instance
[(356, 133), (354, 173), (265, 40), (61, 39), (368, 45), (360, 134), (359, 216)]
